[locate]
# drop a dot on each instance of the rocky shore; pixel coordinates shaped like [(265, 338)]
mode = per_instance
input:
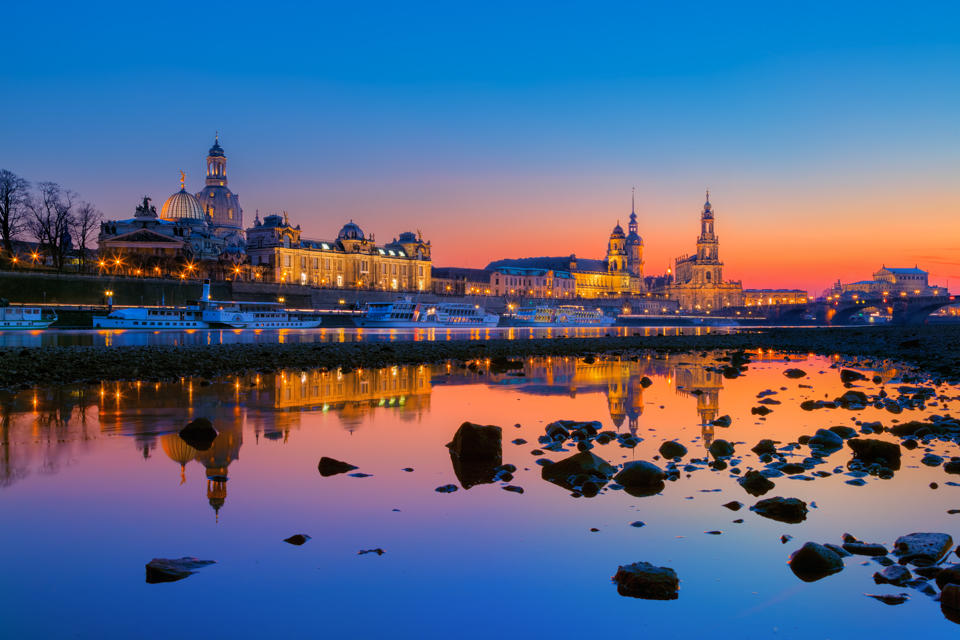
[(934, 349)]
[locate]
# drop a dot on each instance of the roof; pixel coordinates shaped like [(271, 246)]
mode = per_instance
[(554, 263), (450, 273), (905, 271)]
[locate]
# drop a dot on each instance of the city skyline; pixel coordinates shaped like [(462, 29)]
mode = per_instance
[(828, 153)]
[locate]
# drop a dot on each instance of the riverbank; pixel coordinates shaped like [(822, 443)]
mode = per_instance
[(934, 349)]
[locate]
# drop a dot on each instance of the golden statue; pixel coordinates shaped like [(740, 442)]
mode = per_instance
[(183, 179)]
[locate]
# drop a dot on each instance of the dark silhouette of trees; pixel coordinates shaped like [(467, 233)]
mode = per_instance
[(14, 196), (86, 220), (52, 220)]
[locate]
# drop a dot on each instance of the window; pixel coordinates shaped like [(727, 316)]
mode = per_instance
[(286, 260)]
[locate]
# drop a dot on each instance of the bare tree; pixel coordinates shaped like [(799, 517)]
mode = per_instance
[(86, 219), (14, 194), (52, 221)]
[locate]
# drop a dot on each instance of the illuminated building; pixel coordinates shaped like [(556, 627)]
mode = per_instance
[(763, 297), (697, 283), (619, 274), (352, 260), (891, 280), (221, 206)]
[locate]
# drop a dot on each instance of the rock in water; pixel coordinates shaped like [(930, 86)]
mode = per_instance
[(671, 449), (895, 574), (889, 598), (641, 478), (447, 488), (849, 375), (765, 446), (922, 548), (755, 483), (645, 382), (577, 470), (643, 580), (734, 505), (949, 575), (297, 539), (199, 434), (826, 439), (865, 548), (377, 551), (950, 602), (790, 510), (813, 561), (795, 373), (331, 466), (171, 570), (721, 449), (477, 442), (873, 450)]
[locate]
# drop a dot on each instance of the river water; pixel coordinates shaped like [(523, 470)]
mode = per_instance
[(95, 481), (175, 338)]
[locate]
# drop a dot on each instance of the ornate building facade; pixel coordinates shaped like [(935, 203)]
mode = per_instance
[(697, 283), (620, 274), (221, 205), (352, 260)]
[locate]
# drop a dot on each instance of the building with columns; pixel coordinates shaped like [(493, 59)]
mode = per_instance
[(352, 260), (218, 202)]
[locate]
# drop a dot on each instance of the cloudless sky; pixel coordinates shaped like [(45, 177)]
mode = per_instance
[(827, 132)]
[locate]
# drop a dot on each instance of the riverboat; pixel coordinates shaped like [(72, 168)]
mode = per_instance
[(208, 313), (14, 318), (559, 316), (405, 313)]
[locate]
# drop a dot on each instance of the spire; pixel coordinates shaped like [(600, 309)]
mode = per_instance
[(633, 200)]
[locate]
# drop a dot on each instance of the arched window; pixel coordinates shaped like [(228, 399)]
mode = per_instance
[(708, 276)]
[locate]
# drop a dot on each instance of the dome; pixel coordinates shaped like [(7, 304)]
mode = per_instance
[(216, 150), (180, 206), (617, 232), (222, 204), (408, 236), (350, 231)]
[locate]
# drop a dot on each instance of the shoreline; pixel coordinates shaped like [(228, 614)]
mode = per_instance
[(933, 349)]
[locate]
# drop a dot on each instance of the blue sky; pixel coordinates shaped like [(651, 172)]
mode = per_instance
[(530, 122)]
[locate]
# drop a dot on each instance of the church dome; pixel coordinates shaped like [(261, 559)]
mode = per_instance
[(216, 150), (182, 205), (617, 232), (350, 231)]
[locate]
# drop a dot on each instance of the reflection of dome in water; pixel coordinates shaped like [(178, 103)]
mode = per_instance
[(178, 451)]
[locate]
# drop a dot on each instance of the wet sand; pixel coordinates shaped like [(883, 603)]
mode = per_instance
[(934, 349)]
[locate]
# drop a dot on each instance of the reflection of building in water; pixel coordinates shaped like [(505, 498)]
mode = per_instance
[(179, 451), (620, 380), (216, 459), (356, 393)]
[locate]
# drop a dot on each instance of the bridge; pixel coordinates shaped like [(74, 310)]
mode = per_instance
[(903, 309)]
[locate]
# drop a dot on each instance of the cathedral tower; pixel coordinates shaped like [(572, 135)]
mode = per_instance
[(617, 251), (216, 199), (634, 242)]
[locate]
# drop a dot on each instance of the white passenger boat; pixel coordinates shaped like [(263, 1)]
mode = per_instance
[(17, 318), (404, 313), (208, 313), (559, 316)]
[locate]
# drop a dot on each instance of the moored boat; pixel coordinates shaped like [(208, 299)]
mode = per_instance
[(405, 313), (208, 313), (18, 318), (559, 316)]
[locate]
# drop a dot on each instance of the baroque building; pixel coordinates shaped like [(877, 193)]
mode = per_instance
[(697, 283), (352, 260), (218, 202), (619, 274)]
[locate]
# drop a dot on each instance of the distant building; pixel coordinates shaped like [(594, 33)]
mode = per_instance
[(620, 274), (697, 283), (890, 280), (218, 202), (532, 283), (763, 297), (460, 281), (352, 260)]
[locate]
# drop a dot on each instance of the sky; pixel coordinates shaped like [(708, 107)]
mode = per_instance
[(827, 133)]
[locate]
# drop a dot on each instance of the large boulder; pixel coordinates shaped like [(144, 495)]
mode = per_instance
[(580, 469), (922, 548), (173, 569), (814, 561), (331, 466), (825, 439), (755, 483), (477, 442), (199, 434), (644, 580), (672, 449), (721, 449), (641, 478), (789, 510), (871, 450)]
